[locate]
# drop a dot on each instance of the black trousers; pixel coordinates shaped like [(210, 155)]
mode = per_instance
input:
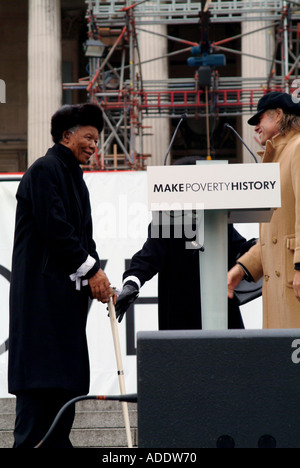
[(35, 413)]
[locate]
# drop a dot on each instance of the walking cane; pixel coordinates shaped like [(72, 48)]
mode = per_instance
[(114, 328)]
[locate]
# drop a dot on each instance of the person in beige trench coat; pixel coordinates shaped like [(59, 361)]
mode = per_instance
[(276, 256)]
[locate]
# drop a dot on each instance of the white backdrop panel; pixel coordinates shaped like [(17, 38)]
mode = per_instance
[(120, 218)]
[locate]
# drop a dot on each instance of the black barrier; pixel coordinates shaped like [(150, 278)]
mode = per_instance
[(219, 389)]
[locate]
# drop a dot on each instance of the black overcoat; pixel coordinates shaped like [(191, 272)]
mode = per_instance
[(179, 302), (53, 238)]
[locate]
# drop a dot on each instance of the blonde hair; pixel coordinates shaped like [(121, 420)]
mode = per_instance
[(289, 122)]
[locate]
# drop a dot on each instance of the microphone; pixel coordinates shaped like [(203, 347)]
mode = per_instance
[(183, 117), (231, 128)]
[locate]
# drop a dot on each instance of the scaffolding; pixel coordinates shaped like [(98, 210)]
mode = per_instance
[(126, 98)]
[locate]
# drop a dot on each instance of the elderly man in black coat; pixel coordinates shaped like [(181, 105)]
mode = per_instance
[(55, 270)]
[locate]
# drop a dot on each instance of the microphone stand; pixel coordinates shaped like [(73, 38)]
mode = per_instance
[(231, 128), (183, 117)]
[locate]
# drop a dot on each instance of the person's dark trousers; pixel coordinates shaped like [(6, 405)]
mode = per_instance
[(35, 413)]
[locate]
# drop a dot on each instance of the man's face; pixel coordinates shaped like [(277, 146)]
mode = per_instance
[(268, 125), (82, 142)]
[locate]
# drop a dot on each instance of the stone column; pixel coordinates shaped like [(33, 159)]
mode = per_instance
[(154, 46), (260, 44), (44, 73)]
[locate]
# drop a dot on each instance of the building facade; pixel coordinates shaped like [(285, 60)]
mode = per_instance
[(43, 65)]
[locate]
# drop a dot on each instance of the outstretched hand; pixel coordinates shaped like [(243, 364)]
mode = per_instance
[(296, 284), (127, 296), (234, 277)]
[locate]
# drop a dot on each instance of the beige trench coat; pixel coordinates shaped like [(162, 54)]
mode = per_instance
[(278, 248)]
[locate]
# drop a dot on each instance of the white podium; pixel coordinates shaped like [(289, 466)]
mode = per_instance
[(220, 193)]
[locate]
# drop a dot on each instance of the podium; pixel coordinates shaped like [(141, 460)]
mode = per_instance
[(219, 193)]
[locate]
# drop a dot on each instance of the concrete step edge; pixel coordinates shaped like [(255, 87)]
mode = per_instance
[(92, 438), (8, 405), (115, 437), (81, 421)]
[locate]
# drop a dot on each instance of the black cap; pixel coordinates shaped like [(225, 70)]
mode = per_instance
[(70, 116), (275, 100)]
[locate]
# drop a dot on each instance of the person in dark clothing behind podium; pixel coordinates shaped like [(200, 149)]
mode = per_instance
[(55, 271), (177, 263)]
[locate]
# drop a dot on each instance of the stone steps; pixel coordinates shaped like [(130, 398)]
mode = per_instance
[(97, 424)]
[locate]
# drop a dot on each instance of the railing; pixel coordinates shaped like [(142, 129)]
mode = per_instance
[(226, 101), (111, 12)]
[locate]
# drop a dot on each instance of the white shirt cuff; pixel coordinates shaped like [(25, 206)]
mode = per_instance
[(82, 271), (133, 278)]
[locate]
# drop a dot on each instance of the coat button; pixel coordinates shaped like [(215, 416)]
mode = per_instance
[(274, 240), (277, 273), (266, 277)]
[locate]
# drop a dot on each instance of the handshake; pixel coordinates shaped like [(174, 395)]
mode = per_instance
[(127, 296)]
